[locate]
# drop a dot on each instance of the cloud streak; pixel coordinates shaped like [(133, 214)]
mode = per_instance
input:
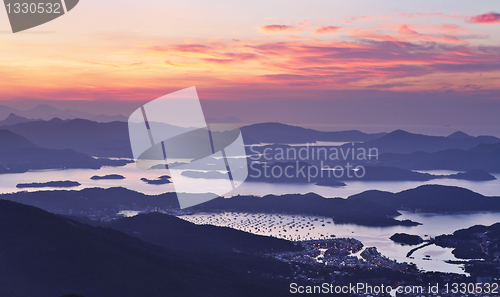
[(278, 29), (487, 18), (327, 29)]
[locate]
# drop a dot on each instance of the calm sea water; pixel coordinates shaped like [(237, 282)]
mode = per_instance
[(433, 224), (300, 227), (133, 175)]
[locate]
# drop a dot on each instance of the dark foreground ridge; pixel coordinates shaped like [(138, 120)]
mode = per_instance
[(172, 232), (46, 255), (49, 255)]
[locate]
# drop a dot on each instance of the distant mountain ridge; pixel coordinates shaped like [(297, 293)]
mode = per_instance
[(282, 133), (483, 156), (13, 119), (432, 198), (48, 112), (459, 135), (18, 154), (89, 137), (112, 139), (403, 142)]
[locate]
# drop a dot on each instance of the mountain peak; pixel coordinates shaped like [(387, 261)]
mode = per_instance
[(45, 107), (459, 135), (13, 119), (398, 134), (13, 116)]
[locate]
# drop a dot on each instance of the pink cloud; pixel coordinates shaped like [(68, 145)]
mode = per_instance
[(327, 29), (450, 28), (404, 30), (358, 18), (415, 36), (362, 18), (406, 15), (278, 28), (487, 18)]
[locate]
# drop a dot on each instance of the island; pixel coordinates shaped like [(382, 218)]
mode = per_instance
[(341, 211), (51, 184), (109, 176), (161, 180), (330, 183), (473, 175), (406, 239)]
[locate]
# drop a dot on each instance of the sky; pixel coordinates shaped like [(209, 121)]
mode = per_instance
[(431, 66)]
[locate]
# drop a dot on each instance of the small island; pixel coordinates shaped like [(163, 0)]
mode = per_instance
[(473, 175), (52, 184), (406, 239), (109, 176), (164, 179), (331, 183)]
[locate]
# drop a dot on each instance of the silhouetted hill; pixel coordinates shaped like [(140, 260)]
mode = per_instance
[(341, 210), (92, 138), (432, 198), (282, 133), (227, 120), (407, 239), (330, 183), (106, 203), (46, 255), (108, 176), (55, 184), (403, 142), (484, 156), (486, 148), (93, 201), (476, 242), (18, 154), (474, 175), (171, 232), (47, 112), (13, 119), (459, 135), (164, 179)]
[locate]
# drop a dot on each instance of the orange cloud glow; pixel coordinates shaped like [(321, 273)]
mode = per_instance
[(403, 56)]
